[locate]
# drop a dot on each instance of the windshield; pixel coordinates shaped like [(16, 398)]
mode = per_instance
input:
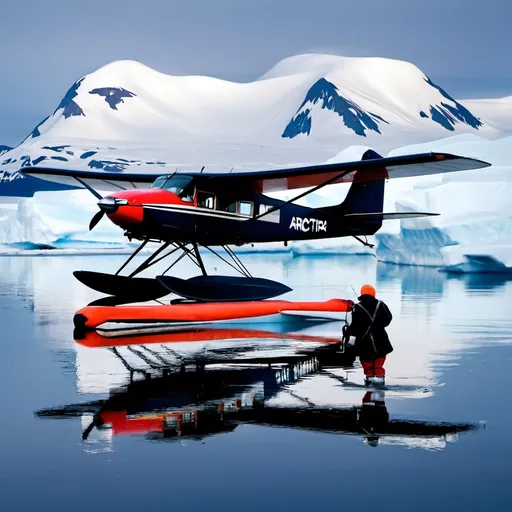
[(158, 183), (179, 184)]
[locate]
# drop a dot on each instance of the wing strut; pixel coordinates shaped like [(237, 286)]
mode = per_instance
[(89, 188)]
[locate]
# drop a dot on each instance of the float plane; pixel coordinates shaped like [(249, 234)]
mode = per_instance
[(187, 210)]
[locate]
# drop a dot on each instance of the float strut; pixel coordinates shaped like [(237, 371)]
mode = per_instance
[(199, 260), (133, 255), (144, 265)]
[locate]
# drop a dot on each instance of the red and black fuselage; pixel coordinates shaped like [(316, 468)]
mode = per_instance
[(180, 208)]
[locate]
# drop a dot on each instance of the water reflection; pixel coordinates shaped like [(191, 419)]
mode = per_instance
[(481, 282), (170, 396), (412, 280), (451, 361)]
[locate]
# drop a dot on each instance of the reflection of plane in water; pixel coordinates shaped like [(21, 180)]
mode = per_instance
[(194, 333), (205, 396)]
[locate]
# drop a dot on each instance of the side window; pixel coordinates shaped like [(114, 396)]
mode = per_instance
[(269, 217), (240, 207), (246, 208), (205, 200)]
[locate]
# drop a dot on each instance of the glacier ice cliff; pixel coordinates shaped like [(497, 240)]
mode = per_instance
[(475, 208)]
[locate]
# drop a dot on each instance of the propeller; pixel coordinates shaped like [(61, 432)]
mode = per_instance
[(106, 205), (97, 217)]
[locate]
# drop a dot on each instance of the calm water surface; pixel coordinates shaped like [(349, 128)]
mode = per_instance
[(298, 435)]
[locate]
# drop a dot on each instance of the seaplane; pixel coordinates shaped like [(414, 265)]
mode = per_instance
[(185, 211)]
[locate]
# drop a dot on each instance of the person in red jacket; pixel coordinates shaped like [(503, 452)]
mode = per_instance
[(370, 317)]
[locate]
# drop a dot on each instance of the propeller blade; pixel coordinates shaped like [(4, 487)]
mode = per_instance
[(96, 219)]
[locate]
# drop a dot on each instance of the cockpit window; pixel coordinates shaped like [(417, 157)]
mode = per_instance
[(181, 185), (159, 182)]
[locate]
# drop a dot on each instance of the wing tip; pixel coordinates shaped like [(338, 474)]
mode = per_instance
[(450, 156)]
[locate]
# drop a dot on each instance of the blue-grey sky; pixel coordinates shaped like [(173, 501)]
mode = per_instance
[(464, 45)]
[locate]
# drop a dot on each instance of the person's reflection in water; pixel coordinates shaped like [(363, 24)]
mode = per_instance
[(373, 416)]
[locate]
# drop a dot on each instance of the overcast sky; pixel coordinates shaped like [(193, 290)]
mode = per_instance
[(464, 45)]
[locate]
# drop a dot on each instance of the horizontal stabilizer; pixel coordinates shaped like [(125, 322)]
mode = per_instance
[(389, 216)]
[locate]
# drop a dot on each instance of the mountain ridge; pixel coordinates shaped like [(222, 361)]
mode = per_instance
[(180, 100), (304, 110)]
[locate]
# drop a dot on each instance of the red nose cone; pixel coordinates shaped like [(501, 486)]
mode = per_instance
[(127, 215), (129, 209)]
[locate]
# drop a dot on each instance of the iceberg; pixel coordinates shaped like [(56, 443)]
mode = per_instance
[(475, 208), (55, 220), (487, 259)]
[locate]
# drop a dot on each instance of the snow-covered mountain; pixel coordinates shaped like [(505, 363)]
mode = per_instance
[(377, 95), (327, 97), (304, 110)]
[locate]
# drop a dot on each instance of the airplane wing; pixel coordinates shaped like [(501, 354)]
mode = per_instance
[(362, 170), (97, 180), (273, 180)]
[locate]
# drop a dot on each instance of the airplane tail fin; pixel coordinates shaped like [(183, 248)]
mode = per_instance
[(366, 196), (362, 208)]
